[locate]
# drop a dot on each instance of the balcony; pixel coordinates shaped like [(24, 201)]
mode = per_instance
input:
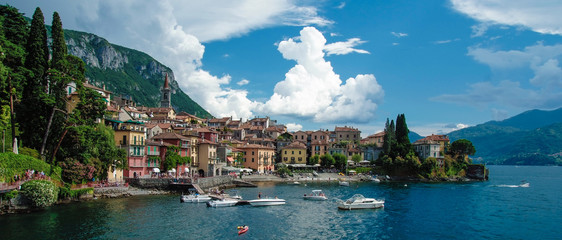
[(153, 153)]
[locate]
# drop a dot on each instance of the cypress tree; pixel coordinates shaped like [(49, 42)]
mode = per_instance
[(37, 58), (59, 45), (402, 130)]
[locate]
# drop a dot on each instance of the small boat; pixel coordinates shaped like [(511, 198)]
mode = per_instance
[(266, 202), (375, 179), (294, 183), (195, 197), (243, 229), (222, 203), (316, 195), (358, 201), (344, 183), (236, 195)]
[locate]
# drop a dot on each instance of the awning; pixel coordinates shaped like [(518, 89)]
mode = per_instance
[(173, 170), (230, 159), (187, 169), (156, 169)]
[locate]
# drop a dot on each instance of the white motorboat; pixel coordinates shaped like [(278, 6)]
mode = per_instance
[(358, 201), (235, 195), (222, 203), (316, 195), (375, 179), (266, 202), (195, 198), (344, 183)]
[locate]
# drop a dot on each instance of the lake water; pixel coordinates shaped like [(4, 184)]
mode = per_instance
[(497, 209)]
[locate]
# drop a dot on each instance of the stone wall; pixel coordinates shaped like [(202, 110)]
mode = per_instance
[(477, 171), (210, 182), (153, 183)]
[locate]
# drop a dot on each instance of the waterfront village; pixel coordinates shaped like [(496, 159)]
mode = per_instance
[(222, 146), (227, 146)]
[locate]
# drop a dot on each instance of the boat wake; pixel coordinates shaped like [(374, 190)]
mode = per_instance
[(523, 185)]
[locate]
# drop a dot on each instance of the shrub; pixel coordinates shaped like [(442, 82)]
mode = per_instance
[(41, 193), (12, 164), (9, 195)]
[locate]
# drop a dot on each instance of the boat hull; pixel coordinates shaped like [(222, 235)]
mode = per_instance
[(195, 199), (222, 203), (315, 198), (266, 202), (360, 206)]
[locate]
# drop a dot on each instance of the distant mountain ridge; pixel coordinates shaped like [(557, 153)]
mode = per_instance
[(531, 138), (127, 72)]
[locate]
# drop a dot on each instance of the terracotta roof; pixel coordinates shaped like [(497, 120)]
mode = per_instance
[(250, 146), (207, 142), (219, 120), (437, 137), (95, 88), (164, 125), (169, 135), (346, 129), (295, 145)]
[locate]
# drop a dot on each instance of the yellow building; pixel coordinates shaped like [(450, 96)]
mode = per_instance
[(259, 158), (131, 136), (209, 165), (294, 153)]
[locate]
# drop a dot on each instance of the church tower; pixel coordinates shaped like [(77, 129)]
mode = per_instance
[(166, 101)]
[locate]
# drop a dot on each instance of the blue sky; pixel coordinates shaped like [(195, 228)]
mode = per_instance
[(319, 64)]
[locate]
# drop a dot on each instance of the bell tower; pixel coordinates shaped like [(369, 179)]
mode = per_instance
[(166, 101)]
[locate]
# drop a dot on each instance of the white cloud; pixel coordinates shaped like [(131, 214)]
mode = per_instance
[(399, 34), (341, 6), (172, 32), (442, 42), (293, 127), (312, 90), (243, 82), (541, 16), (342, 48), (437, 128), (479, 29)]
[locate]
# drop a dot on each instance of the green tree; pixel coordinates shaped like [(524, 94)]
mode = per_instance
[(327, 160), (314, 160), (59, 45), (340, 161), (356, 158), (172, 158), (462, 148), (34, 87), (37, 53)]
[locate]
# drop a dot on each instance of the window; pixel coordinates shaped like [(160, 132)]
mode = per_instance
[(252, 153), (299, 152), (285, 151), (292, 152), (252, 159)]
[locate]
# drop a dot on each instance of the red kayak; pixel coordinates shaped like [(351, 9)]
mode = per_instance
[(243, 229)]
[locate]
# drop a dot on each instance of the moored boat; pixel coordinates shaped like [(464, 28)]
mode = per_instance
[(358, 201), (195, 198), (344, 183), (266, 202), (222, 203), (316, 195)]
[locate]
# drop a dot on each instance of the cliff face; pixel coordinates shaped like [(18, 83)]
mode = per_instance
[(128, 72)]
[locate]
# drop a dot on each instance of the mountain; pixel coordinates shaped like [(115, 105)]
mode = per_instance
[(127, 72), (530, 138), (414, 136)]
